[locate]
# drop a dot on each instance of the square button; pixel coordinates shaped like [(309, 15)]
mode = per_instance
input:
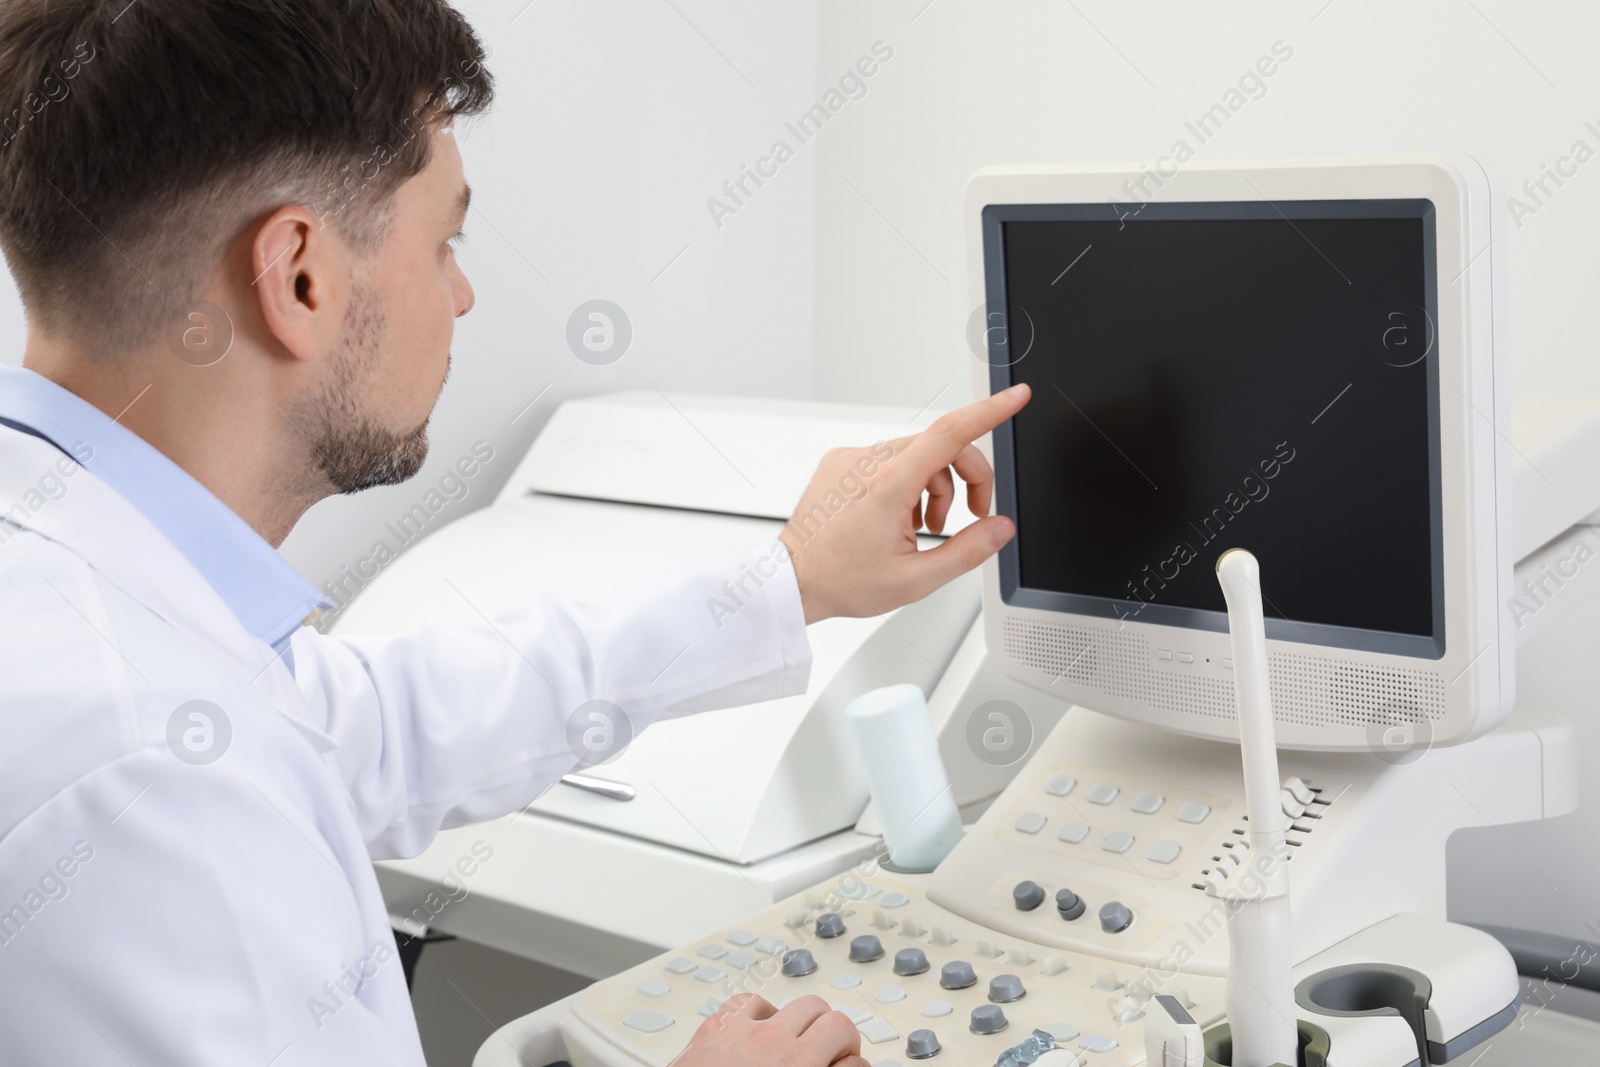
[(648, 1022), (854, 1012), (1164, 852), (771, 947), (1060, 785), (711, 952), (877, 1031), (1029, 822), (709, 1008), (742, 960), (1148, 803), (1192, 812), (680, 965), (709, 975), (654, 989), (742, 938), (1073, 833), (1103, 794), (1117, 841)]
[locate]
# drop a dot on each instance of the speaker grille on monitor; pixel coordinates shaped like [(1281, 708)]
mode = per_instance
[(1306, 690)]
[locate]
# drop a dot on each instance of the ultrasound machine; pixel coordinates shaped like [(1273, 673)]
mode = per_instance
[(1306, 361)]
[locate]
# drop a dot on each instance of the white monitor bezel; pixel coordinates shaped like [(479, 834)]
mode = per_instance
[(1475, 670)]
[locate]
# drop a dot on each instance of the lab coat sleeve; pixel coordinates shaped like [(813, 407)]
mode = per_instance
[(464, 722)]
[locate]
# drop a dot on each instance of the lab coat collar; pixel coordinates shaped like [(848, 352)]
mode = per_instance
[(256, 583), (47, 492)]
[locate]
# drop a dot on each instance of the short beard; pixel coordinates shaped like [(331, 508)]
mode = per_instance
[(352, 451)]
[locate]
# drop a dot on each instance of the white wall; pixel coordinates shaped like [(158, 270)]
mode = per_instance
[(616, 121), (1018, 82), (1042, 81)]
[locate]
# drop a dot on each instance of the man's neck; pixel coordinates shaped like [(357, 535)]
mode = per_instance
[(216, 423)]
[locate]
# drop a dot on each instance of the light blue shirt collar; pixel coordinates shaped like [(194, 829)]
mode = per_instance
[(264, 591)]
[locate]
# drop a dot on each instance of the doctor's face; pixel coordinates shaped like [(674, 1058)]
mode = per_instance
[(369, 419)]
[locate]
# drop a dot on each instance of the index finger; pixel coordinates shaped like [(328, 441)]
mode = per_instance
[(940, 444)]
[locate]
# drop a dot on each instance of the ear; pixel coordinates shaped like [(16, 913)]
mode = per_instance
[(299, 266)]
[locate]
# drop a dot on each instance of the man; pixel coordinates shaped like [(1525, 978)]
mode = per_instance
[(193, 782)]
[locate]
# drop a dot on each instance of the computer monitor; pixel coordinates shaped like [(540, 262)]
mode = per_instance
[(1302, 359)]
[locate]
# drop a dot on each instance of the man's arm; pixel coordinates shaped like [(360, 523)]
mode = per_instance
[(461, 723), (458, 724)]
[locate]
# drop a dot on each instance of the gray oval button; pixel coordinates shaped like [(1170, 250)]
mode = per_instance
[(830, 925), (957, 975), (988, 1019), (1004, 988), (1115, 917), (909, 961), (922, 1045), (1027, 895), (797, 963), (865, 949)]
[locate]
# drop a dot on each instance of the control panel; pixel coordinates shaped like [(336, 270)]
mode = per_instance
[(918, 981)]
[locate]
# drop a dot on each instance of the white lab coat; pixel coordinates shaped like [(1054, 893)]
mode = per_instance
[(158, 912)]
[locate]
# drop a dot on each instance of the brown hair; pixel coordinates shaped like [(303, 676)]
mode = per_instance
[(138, 140)]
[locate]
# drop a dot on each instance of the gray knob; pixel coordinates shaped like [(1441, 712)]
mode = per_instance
[(909, 961), (922, 1045), (1069, 904), (797, 963), (988, 1019), (829, 925), (1004, 988), (957, 975), (865, 949), (1115, 917), (1028, 895)]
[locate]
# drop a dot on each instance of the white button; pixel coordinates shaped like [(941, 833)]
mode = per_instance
[(709, 1008), (1103, 794), (1193, 812), (890, 994), (937, 1009), (1291, 807), (854, 1012), (896, 900), (1097, 1043), (742, 960), (1185, 657), (709, 975), (1164, 852), (1060, 785), (712, 952), (1029, 822), (1062, 1032), (1163, 653), (680, 965), (1227, 663), (846, 981), (649, 1022), (1073, 833), (1148, 803), (877, 1031), (1117, 841), (1302, 792), (742, 938), (654, 989)]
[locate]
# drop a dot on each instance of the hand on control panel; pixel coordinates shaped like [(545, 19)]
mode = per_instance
[(748, 1029)]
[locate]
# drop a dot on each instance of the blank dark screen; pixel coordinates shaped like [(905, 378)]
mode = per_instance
[(1202, 384)]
